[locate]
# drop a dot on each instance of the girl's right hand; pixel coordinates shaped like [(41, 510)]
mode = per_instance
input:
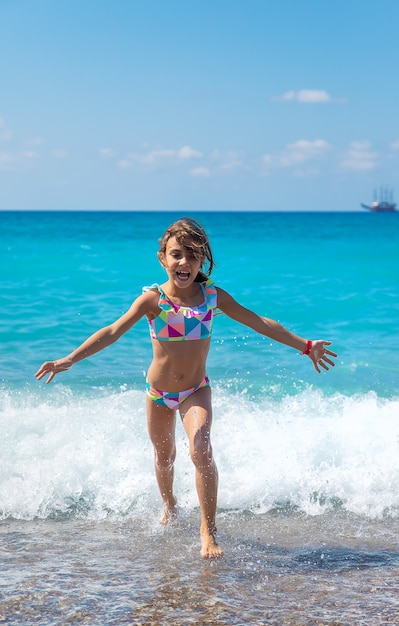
[(52, 368)]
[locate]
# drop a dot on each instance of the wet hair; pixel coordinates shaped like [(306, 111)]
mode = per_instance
[(190, 234)]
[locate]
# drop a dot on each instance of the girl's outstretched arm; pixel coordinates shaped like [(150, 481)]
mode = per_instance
[(316, 350), (100, 339)]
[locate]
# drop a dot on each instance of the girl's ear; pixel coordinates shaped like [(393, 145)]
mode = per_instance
[(161, 258)]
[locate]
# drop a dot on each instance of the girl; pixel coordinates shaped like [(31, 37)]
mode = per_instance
[(180, 315)]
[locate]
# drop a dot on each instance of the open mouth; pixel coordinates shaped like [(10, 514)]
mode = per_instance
[(183, 275)]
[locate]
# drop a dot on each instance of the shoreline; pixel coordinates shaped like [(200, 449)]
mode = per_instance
[(277, 569)]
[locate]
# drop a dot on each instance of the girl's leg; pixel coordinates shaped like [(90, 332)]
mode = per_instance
[(161, 423), (196, 413)]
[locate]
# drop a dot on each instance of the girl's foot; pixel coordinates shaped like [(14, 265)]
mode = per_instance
[(169, 512), (209, 547)]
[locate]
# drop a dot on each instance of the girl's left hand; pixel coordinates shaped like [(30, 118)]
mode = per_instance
[(319, 355)]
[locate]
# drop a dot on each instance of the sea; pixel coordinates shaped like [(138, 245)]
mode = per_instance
[(308, 506)]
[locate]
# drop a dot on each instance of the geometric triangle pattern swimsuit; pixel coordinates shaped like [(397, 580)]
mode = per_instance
[(172, 399), (181, 323)]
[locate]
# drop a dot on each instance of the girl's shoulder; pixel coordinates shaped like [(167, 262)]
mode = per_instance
[(225, 299), (157, 292), (154, 287), (148, 300), (221, 293)]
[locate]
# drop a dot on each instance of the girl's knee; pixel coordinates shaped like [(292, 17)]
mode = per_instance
[(201, 454), (165, 459)]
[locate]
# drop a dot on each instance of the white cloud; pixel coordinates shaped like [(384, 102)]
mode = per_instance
[(359, 156), (7, 159), (124, 164), (297, 153), (35, 141), (308, 96), (106, 153), (229, 160), (186, 152), (60, 153), (313, 95), (395, 145), (200, 172), (160, 155), (5, 133), (30, 154), (155, 156), (307, 172), (302, 150), (17, 160)]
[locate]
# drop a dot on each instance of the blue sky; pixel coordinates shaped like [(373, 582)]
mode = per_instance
[(198, 105)]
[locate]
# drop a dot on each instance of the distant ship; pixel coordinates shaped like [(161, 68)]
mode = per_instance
[(384, 203)]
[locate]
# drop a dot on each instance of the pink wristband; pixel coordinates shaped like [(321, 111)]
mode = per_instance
[(308, 347)]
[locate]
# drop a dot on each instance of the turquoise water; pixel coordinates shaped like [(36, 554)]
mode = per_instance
[(328, 275), (294, 449)]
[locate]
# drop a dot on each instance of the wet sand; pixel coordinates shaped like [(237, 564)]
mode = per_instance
[(279, 568)]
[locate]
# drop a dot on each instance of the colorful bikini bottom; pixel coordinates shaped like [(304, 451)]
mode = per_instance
[(172, 399)]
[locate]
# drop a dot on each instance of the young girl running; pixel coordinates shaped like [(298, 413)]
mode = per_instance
[(180, 316)]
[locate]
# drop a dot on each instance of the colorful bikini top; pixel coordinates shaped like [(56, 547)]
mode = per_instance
[(181, 323)]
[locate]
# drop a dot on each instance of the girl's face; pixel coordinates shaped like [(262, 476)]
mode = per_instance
[(180, 263)]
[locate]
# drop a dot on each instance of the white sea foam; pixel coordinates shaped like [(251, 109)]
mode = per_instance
[(88, 455)]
